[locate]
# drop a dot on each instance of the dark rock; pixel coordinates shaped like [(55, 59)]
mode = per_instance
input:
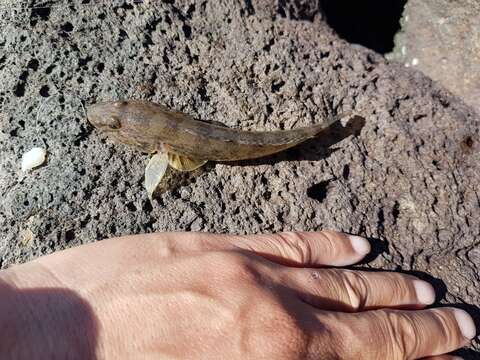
[(406, 175)]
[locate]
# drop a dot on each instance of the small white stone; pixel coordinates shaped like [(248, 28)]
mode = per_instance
[(33, 158), (414, 62)]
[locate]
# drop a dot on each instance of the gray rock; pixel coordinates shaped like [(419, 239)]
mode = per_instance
[(442, 38), (406, 176)]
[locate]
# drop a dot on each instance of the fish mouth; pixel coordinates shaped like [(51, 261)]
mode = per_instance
[(95, 119), (90, 115)]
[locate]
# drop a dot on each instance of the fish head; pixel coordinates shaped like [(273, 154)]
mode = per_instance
[(123, 121), (107, 116)]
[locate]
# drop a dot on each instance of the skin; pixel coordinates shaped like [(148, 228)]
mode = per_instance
[(207, 296), (152, 127)]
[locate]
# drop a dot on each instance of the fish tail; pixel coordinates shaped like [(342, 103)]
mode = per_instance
[(316, 129)]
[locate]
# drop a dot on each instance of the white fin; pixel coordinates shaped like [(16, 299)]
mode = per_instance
[(154, 172), (184, 163)]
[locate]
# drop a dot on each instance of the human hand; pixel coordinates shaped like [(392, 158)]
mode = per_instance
[(207, 296)]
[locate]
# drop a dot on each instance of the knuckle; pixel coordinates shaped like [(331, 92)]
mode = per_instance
[(408, 339), (390, 334), (356, 289), (401, 334), (401, 286), (330, 233), (330, 243), (294, 245)]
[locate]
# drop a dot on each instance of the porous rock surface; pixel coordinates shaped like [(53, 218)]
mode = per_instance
[(442, 38), (405, 175)]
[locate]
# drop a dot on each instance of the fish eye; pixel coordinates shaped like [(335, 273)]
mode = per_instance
[(114, 123)]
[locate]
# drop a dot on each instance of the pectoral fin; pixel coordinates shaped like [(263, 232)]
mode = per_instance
[(184, 163), (154, 172)]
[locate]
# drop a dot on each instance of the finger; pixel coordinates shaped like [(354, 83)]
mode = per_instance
[(289, 248), (398, 334), (306, 248), (349, 290), (443, 357)]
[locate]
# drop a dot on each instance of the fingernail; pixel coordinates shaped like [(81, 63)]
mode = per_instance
[(465, 323), (425, 292), (455, 358), (360, 245)]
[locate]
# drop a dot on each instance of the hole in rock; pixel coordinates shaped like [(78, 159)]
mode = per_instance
[(42, 13), (100, 67), (319, 191), (131, 206), (45, 91), (69, 235), (33, 64), (67, 27), (187, 30), (371, 23), (19, 90)]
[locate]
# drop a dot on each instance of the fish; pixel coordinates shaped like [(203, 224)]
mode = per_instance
[(184, 143)]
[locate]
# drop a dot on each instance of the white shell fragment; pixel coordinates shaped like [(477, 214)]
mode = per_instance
[(33, 158), (154, 172)]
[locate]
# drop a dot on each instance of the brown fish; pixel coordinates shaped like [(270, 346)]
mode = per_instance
[(187, 143), (152, 127)]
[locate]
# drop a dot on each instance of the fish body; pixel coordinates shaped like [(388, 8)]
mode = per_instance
[(152, 127)]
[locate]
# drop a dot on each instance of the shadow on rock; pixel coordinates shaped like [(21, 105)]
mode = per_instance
[(378, 247), (467, 354), (47, 323)]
